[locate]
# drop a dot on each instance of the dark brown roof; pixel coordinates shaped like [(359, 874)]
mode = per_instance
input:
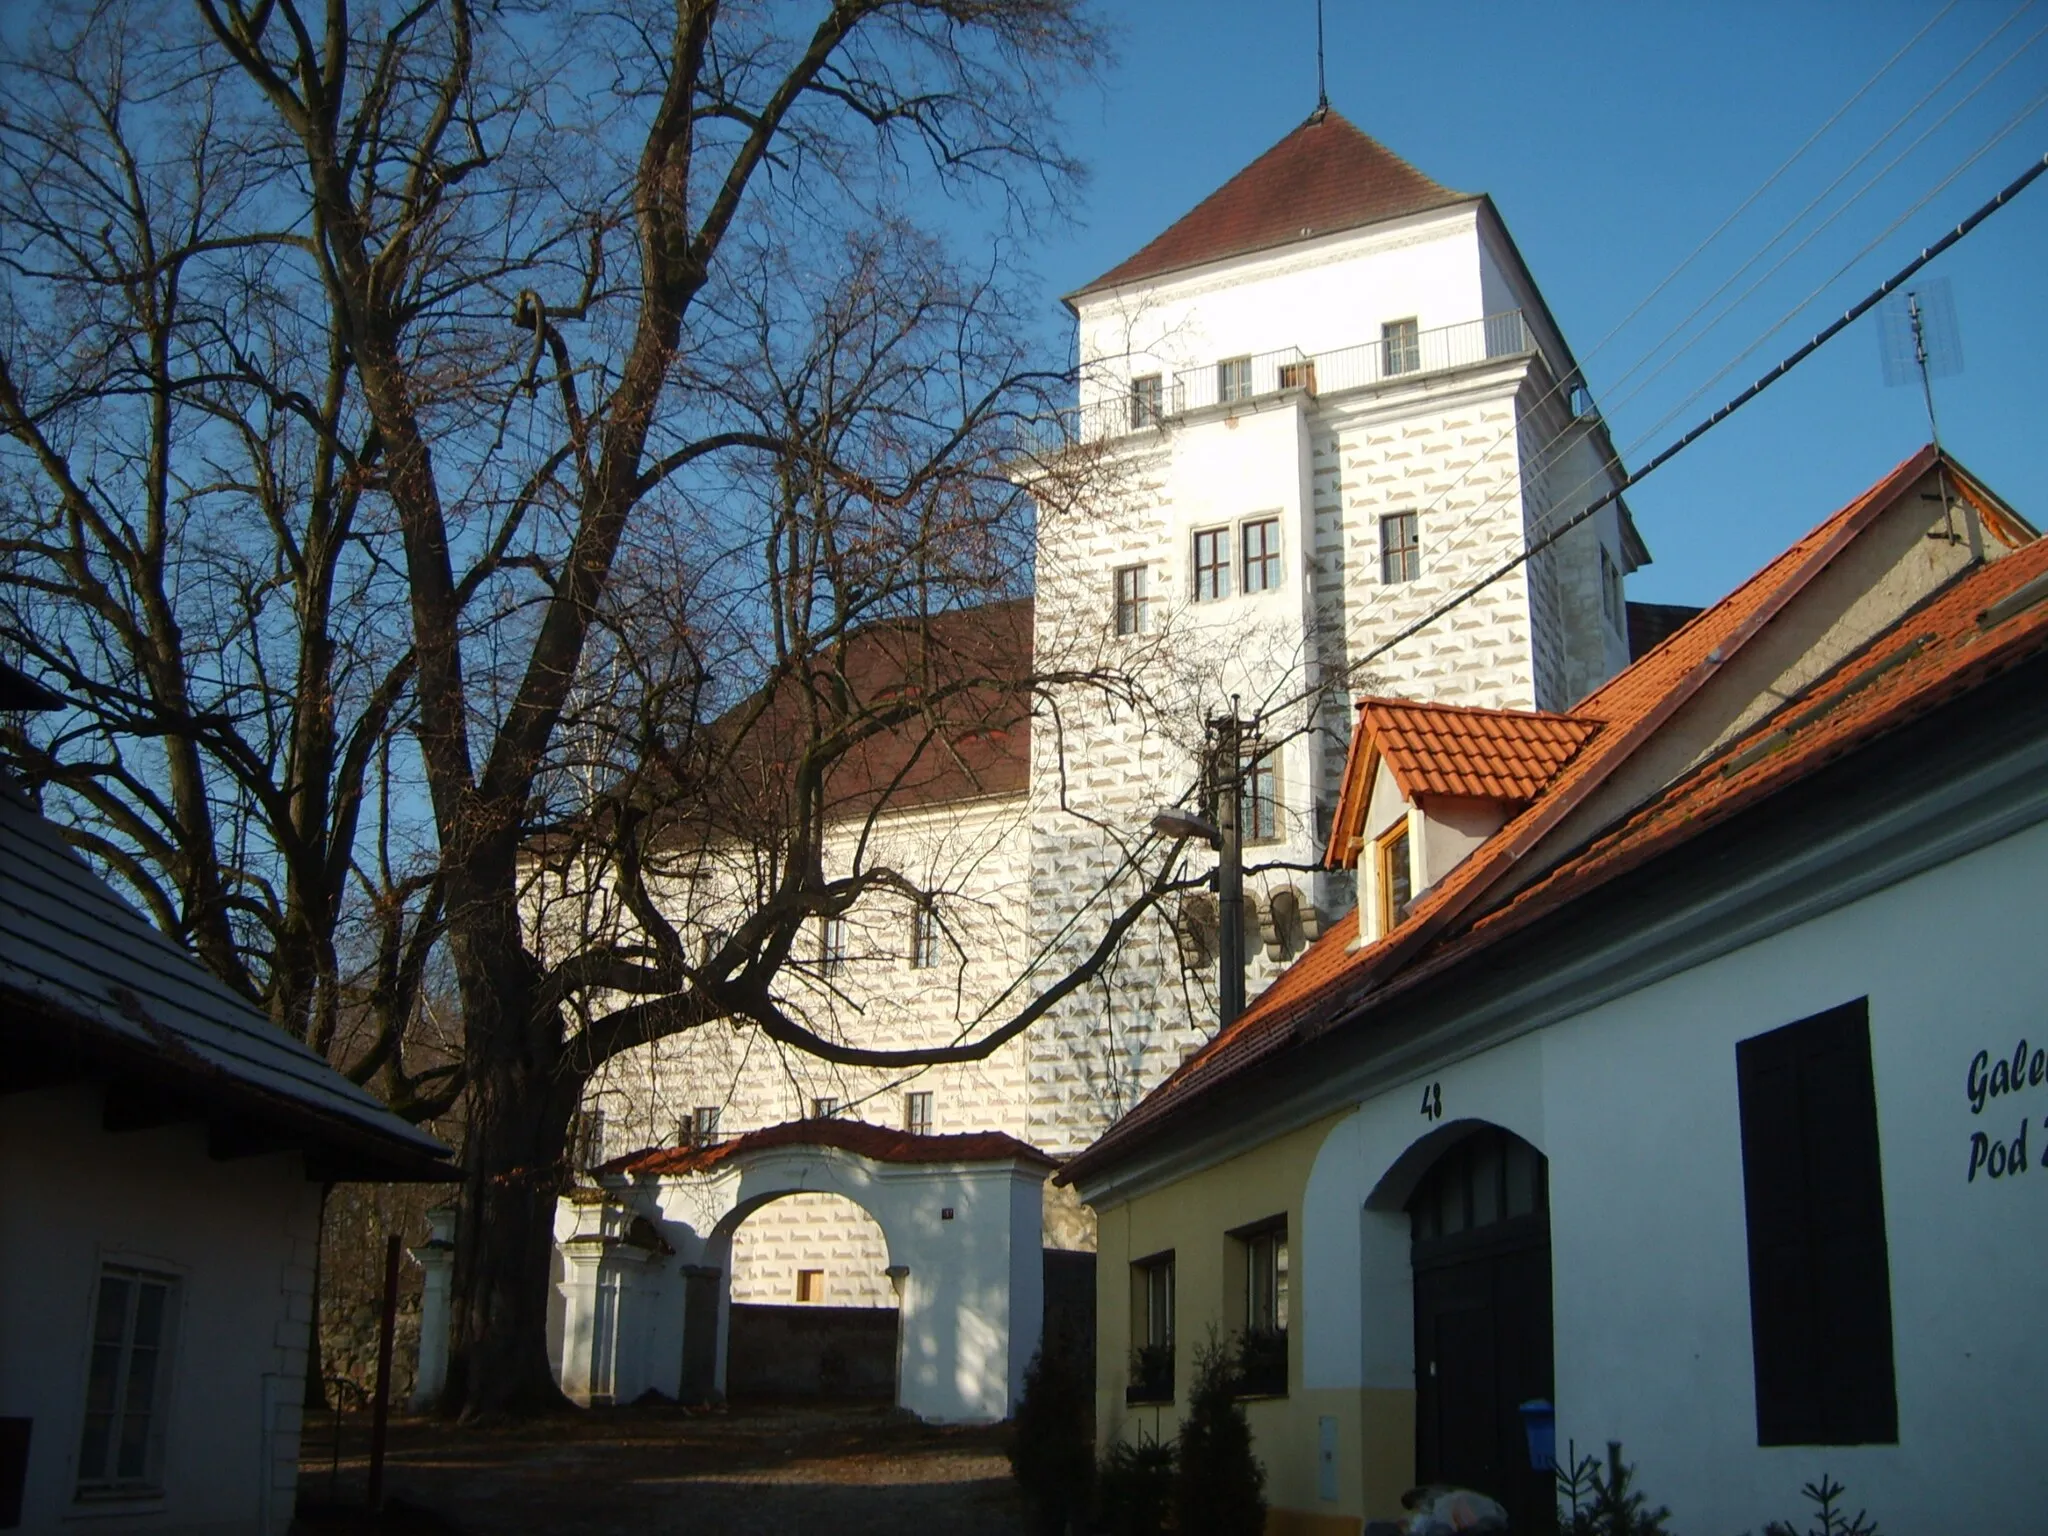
[(878, 1142), (1323, 177), (940, 710), (1651, 624), (1332, 981)]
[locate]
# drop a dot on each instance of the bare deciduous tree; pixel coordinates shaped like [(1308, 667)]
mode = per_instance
[(441, 435)]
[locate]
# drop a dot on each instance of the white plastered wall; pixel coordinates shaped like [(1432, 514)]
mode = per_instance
[(1634, 1103), (241, 1238)]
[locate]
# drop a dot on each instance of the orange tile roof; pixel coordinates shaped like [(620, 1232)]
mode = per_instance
[(1323, 177), (1454, 749), (878, 1142), (1331, 978)]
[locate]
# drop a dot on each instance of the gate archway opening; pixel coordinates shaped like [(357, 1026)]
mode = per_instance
[(1480, 1250), (814, 1313)]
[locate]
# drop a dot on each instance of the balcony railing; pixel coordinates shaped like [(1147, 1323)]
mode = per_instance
[(1262, 375)]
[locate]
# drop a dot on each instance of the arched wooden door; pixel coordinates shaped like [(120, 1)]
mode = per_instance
[(1481, 1228)]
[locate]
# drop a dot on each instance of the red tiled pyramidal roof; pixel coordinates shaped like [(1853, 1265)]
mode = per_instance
[(878, 1142), (1323, 177)]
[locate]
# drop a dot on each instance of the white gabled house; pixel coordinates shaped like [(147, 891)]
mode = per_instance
[(1681, 1082), (162, 1152)]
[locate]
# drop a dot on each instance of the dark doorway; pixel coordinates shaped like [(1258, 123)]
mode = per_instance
[(700, 1333), (1481, 1224)]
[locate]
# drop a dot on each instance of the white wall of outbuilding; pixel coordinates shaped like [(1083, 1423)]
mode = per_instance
[(1634, 1103)]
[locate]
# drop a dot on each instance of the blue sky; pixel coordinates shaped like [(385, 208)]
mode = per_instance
[(1614, 139)]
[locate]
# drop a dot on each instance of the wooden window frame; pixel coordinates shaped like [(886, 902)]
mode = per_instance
[(1267, 562), (924, 937), (1233, 379), (1127, 589), (704, 1120), (823, 1108), (1219, 544), (810, 1287), (1148, 400), (1390, 911), (1401, 346), (1258, 816), (917, 1112), (1400, 558), (1301, 375)]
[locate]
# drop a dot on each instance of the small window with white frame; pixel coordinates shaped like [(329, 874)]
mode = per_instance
[(1401, 346), (1212, 564), (917, 1113), (1400, 547), (831, 945), (1234, 379), (127, 1384), (924, 936), (1259, 541), (1148, 396), (1130, 599)]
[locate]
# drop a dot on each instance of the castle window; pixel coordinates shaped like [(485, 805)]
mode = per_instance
[(917, 1113), (586, 1139), (1396, 886), (1130, 599), (1259, 814), (1146, 397), (1400, 347), (704, 1126), (1300, 375), (832, 945), (924, 936), (810, 1285), (824, 1109), (1400, 547), (1261, 541), (1212, 564), (1234, 379), (1611, 599), (127, 1384)]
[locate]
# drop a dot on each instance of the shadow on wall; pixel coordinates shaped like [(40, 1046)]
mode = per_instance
[(811, 1352)]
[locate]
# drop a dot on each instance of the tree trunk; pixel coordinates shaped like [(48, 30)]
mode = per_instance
[(520, 1099)]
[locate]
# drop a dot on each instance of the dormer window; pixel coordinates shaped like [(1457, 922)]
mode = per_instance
[(1394, 877)]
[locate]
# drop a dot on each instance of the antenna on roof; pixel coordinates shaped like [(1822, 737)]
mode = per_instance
[(1916, 338), (1322, 92)]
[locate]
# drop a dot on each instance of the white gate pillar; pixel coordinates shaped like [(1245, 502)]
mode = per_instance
[(436, 1259)]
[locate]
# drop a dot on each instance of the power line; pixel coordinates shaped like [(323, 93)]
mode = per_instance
[(2005, 195)]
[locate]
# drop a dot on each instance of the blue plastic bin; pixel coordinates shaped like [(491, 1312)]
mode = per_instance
[(1539, 1423)]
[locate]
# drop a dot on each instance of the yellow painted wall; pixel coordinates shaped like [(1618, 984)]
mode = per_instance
[(1194, 1217)]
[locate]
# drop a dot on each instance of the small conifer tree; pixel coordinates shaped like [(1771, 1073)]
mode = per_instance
[(1222, 1486), (1599, 1502), (1052, 1450)]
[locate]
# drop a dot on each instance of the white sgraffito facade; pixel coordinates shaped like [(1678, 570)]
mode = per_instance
[(1469, 430)]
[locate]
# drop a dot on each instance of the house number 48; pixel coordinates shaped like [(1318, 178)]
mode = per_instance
[(1433, 1102)]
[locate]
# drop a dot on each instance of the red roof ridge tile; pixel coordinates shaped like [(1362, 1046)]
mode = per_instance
[(880, 1143)]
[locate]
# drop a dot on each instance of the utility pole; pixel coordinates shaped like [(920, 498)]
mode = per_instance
[(1223, 777), (1227, 733)]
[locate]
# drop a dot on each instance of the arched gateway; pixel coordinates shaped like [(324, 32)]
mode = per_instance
[(646, 1259)]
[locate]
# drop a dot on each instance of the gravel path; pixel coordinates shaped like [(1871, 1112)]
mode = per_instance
[(652, 1471)]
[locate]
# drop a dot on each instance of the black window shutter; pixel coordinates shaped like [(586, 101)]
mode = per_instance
[(1819, 1274)]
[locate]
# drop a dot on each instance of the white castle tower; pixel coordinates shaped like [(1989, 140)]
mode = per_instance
[(1332, 398)]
